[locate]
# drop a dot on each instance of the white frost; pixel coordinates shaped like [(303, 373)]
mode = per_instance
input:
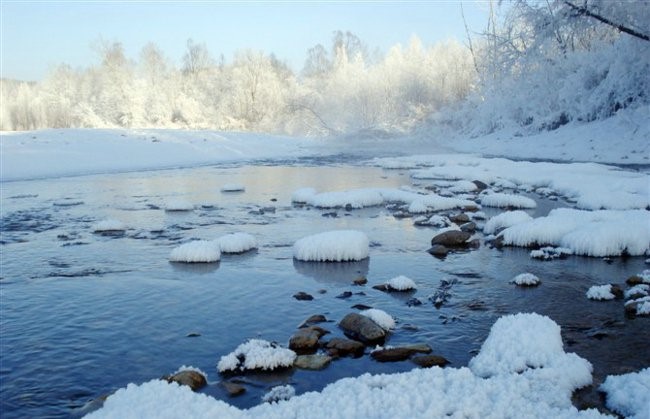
[(504, 220), (256, 354), (332, 246), (278, 393), (600, 292), (629, 394), (109, 225), (401, 283), (503, 200), (526, 279), (178, 204), (237, 243), (198, 251), (383, 319)]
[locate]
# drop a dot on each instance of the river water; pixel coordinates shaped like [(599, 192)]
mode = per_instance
[(85, 314)]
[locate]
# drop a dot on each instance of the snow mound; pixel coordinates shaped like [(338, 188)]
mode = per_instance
[(600, 292), (516, 343), (504, 200), (504, 220), (526, 279), (383, 319), (549, 253), (641, 289), (237, 243), (303, 195), (645, 276), (278, 393), (178, 204), (332, 246), (629, 394), (463, 186), (198, 251), (109, 225), (428, 203), (401, 283), (233, 187), (589, 233), (256, 354)]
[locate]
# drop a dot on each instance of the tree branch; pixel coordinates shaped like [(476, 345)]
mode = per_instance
[(584, 11)]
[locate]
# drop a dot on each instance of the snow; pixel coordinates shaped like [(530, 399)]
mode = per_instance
[(645, 276), (303, 195), (233, 187), (332, 246), (504, 220), (521, 371), (190, 368), (278, 393), (383, 319), (549, 253), (600, 292), (178, 204), (503, 200), (197, 251), (589, 233), (643, 307), (629, 394), (256, 354), (526, 279), (401, 283), (641, 289), (109, 225), (237, 243)]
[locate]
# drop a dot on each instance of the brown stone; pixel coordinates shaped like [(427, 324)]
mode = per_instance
[(233, 389), (302, 296), (362, 328), (362, 280), (634, 280), (306, 339), (428, 361), (311, 320), (400, 353), (340, 347), (452, 238), (193, 379), (312, 362)]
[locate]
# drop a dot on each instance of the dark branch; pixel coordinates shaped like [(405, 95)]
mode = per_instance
[(584, 11)]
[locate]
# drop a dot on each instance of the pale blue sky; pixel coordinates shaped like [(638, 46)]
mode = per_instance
[(36, 36)]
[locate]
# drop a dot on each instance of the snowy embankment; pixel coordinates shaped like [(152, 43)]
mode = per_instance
[(521, 370)]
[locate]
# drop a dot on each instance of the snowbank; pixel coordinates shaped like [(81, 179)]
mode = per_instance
[(503, 200), (332, 246), (237, 243), (521, 371), (590, 233), (600, 292), (198, 251), (629, 394), (504, 220), (256, 354), (108, 225), (383, 319), (401, 283)]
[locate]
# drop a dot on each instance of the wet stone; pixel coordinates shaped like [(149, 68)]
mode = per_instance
[(453, 238), (303, 296), (233, 389), (306, 339), (362, 280), (634, 280), (438, 250), (361, 307), (400, 353), (312, 362), (428, 361), (413, 302), (193, 379), (362, 328), (459, 218), (340, 347), (314, 319), (345, 294)]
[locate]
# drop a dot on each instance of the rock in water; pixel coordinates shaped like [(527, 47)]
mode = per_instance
[(233, 389), (306, 339), (338, 347), (399, 353), (428, 361), (193, 379), (362, 328), (312, 362), (452, 238), (438, 250), (303, 296)]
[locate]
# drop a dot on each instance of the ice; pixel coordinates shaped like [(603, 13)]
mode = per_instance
[(521, 371), (237, 243), (526, 279), (629, 394), (503, 200), (256, 354), (504, 220), (178, 204), (383, 319), (332, 246), (600, 292), (303, 195), (109, 225), (197, 251), (401, 283), (233, 187)]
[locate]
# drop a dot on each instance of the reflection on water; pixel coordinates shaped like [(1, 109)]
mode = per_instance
[(79, 321)]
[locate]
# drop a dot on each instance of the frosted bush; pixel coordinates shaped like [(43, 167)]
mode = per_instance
[(198, 251)]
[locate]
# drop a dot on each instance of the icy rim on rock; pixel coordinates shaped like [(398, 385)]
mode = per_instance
[(521, 370)]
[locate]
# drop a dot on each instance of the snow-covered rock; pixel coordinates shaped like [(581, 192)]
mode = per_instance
[(108, 226), (178, 204), (256, 354), (629, 394), (278, 393), (504, 220), (237, 243), (600, 292), (503, 200), (526, 279), (198, 251), (332, 246), (383, 319), (401, 283)]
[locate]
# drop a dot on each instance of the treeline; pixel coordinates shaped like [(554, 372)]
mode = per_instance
[(536, 65), (340, 89)]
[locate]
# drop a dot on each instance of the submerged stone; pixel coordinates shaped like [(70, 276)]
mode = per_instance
[(312, 362), (362, 328)]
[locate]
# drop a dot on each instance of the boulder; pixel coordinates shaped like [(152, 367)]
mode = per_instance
[(428, 361), (469, 227), (193, 379), (362, 328), (345, 294), (306, 339), (312, 320), (339, 347), (617, 291), (312, 362), (459, 218), (452, 238), (303, 296), (400, 353), (438, 250)]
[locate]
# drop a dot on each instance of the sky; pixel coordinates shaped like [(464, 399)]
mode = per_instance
[(39, 35)]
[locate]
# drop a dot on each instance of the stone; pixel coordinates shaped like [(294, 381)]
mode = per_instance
[(362, 280), (438, 250), (306, 339), (233, 389), (452, 238), (617, 291), (400, 353), (345, 294), (339, 347), (362, 328), (428, 361), (413, 302), (480, 185), (193, 379), (381, 287), (361, 307), (469, 227), (302, 296), (459, 218), (312, 320), (312, 362), (634, 280)]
